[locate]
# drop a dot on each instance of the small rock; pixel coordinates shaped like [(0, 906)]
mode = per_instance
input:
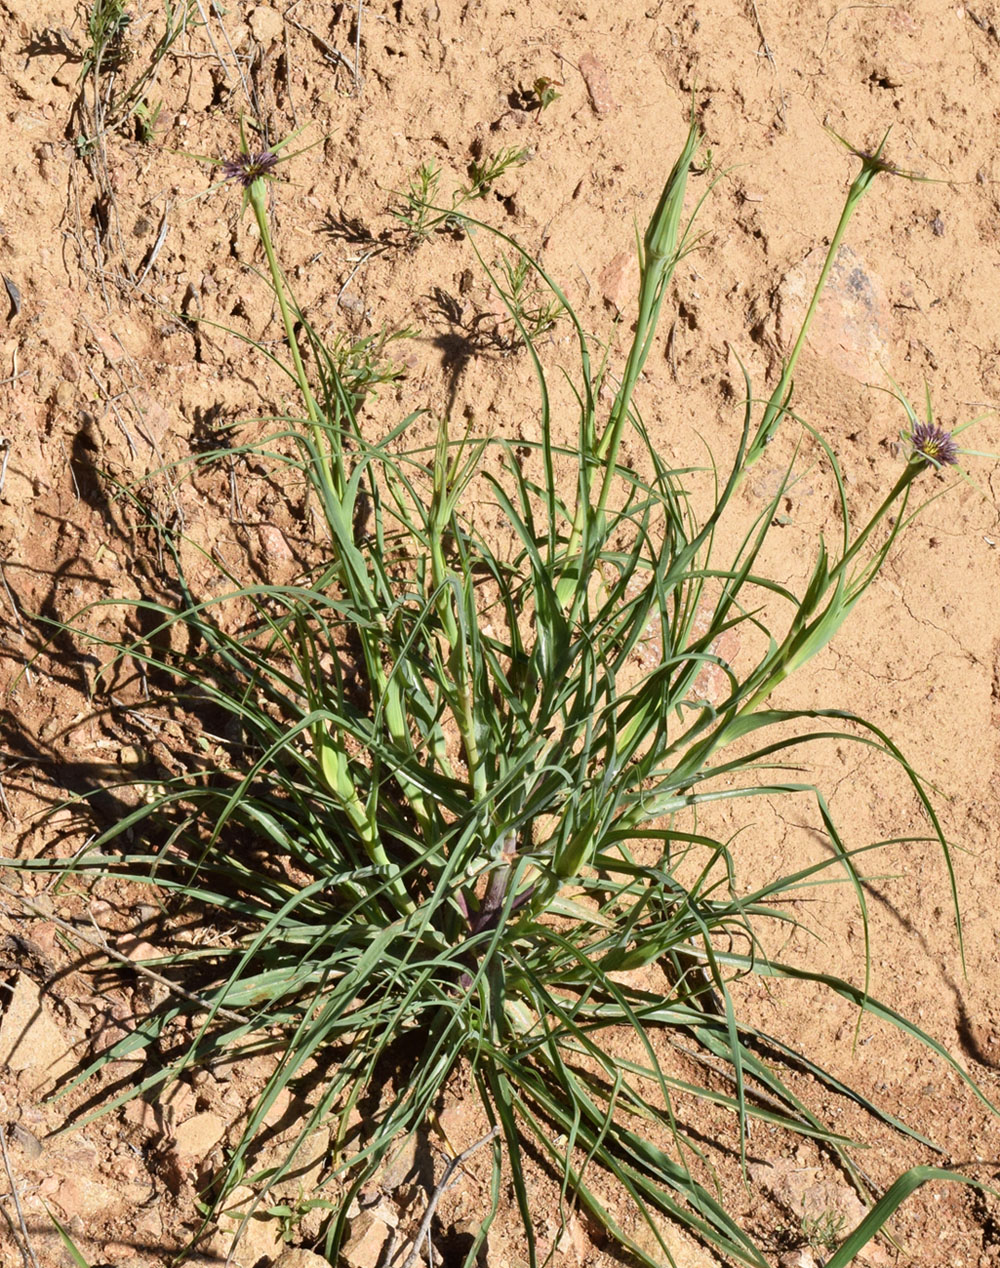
[(400, 1165), (130, 754), (800, 1258), (598, 85), (572, 1242), (67, 75), (261, 1238), (529, 431), (266, 25), (64, 396), (190, 1158), (712, 682), (298, 1257), (31, 1146), (30, 1040), (80, 1195), (273, 543), (201, 94), (177, 1103), (45, 936), (198, 1136), (141, 1114), (453, 1125), (138, 950), (250, 1068), (149, 1225), (76, 1154), (806, 1191), (279, 1110), (619, 281), (852, 323), (156, 421), (366, 1242)]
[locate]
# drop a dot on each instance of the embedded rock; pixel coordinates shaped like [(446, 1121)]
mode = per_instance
[(852, 324)]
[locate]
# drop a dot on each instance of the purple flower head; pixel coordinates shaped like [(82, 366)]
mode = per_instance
[(933, 444), (246, 168)]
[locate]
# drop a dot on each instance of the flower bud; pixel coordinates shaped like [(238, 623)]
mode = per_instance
[(661, 236)]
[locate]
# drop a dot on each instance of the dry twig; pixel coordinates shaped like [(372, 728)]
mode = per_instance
[(443, 1186), (765, 48), (100, 944), (25, 1247)]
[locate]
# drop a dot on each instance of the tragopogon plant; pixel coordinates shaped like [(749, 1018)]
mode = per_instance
[(477, 814)]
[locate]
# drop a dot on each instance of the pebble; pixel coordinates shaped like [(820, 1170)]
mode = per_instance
[(80, 1195), (298, 1257), (598, 85), (196, 1137), (266, 25), (619, 281), (30, 1039), (800, 1258), (366, 1242), (852, 323)]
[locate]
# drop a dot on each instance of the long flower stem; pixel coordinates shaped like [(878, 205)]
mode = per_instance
[(659, 258), (258, 201), (334, 762), (871, 166)]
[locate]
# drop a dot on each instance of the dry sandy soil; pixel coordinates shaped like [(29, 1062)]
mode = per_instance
[(105, 376)]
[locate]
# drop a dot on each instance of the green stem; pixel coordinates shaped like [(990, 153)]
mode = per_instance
[(779, 397), (806, 636), (334, 761), (654, 281), (659, 257), (258, 201), (462, 701), (909, 473)]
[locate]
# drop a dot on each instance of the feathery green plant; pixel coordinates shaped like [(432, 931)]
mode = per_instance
[(416, 211), (105, 55), (534, 312), (459, 819)]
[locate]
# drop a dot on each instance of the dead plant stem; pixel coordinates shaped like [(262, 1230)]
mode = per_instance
[(27, 1251), (443, 1185), (99, 944)]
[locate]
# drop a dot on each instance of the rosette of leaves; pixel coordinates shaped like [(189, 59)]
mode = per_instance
[(455, 829)]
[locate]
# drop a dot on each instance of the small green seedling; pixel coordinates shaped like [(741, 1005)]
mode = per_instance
[(825, 1231), (107, 31), (533, 311), (105, 102), (486, 172), (545, 92), (415, 210), (538, 96), (145, 120)]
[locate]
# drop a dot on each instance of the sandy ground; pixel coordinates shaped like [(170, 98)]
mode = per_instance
[(102, 380)]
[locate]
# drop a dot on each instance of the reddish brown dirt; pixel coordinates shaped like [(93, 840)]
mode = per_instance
[(102, 380)]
